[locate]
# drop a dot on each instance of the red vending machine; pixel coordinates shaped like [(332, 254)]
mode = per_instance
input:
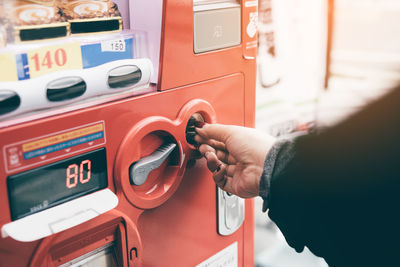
[(97, 105)]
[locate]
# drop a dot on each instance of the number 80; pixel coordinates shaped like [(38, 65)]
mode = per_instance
[(74, 172)]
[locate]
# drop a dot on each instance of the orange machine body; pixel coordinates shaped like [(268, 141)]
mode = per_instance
[(170, 220)]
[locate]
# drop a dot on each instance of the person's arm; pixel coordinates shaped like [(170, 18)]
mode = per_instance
[(339, 191), (336, 192)]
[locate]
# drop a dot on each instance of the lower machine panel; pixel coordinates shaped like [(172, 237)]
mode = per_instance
[(168, 217)]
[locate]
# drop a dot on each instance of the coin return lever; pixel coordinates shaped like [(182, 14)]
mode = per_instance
[(139, 171)]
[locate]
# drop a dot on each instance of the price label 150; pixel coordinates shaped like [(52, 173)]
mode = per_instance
[(54, 58), (117, 45)]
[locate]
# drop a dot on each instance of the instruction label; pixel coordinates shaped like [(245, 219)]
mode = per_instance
[(52, 146), (228, 257)]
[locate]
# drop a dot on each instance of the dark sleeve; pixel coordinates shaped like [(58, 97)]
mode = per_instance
[(280, 154), (338, 191)]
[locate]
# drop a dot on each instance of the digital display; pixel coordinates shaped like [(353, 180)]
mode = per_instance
[(45, 187)]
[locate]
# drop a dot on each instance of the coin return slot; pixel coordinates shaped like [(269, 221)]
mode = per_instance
[(65, 89), (40, 32), (9, 101), (81, 26), (103, 256), (124, 76)]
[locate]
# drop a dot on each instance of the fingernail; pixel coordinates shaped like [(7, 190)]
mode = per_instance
[(206, 154), (199, 124)]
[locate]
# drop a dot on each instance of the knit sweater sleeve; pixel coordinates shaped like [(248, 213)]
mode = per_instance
[(276, 160), (326, 190)]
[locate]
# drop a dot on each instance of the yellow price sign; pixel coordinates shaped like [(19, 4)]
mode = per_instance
[(8, 68), (54, 58)]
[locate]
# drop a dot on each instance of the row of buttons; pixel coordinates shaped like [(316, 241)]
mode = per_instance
[(71, 86)]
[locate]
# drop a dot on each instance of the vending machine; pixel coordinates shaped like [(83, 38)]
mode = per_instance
[(98, 102)]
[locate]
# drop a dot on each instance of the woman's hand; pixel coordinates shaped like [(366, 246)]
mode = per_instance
[(235, 155)]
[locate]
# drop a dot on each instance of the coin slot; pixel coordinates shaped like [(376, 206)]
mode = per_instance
[(9, 101), (124, 76), (190, 131), (65, 89)]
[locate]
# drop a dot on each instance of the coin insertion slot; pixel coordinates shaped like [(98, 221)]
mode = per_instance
[(9, 101), (190, 131), (65, 89), (82, 26), (124, 76)]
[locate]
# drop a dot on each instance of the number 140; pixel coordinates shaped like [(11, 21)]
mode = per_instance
[(59, 58)]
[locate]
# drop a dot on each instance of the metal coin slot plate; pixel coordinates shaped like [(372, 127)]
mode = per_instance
[(139, 171), (230, 212)]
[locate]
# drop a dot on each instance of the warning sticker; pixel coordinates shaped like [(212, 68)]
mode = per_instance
[(52, 146), (228, 257)]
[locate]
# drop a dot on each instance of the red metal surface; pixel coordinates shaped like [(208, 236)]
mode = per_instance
[(176, 225), (180, 66)]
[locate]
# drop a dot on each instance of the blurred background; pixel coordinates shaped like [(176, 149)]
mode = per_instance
[(318, 62)]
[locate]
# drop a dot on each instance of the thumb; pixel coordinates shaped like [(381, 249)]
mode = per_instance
[(218, 132)]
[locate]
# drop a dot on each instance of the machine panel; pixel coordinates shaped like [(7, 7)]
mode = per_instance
[(97, 159)]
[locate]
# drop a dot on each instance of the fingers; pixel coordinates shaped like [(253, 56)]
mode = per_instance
[(218, 132), (211, 142), (222, 174), (213, 163), (217, 168), (223, 181), (222, 155), (230, 170), (219, 177)]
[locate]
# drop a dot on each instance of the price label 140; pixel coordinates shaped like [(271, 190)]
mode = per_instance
[(54, 58)]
